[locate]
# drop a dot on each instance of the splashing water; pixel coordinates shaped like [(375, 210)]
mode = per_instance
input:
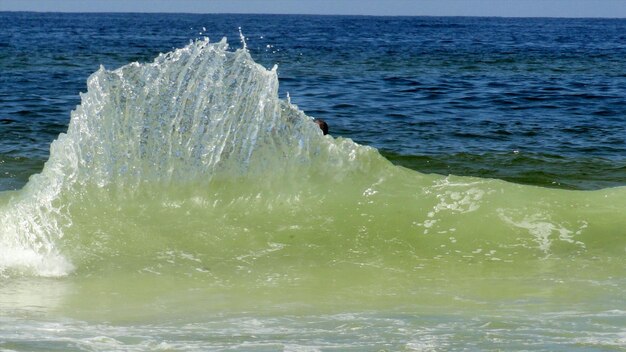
[(191, 171), (200, 117)]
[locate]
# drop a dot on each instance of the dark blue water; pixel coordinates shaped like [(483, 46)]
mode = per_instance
[(536, 101)]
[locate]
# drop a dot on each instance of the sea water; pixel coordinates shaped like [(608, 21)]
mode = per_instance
[(189, 204)]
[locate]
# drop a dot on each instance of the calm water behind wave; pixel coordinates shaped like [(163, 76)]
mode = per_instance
[(538, 101)]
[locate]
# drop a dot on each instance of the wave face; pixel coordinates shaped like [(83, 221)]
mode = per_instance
[(192, 166)]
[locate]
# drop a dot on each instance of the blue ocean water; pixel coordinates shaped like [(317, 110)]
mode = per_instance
[(536, 101), (188, 205)]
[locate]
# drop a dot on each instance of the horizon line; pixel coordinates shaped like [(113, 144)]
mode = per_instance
[(301, 14)]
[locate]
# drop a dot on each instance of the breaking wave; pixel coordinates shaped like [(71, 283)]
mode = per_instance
[(192, 164)]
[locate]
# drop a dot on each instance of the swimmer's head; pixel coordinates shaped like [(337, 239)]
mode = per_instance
[(323, 125)]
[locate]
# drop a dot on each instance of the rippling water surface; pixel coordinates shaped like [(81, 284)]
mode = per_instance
[(189, 203), (538, 101)]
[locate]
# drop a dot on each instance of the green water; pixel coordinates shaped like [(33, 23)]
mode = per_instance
[(188, 208), (355, 267)]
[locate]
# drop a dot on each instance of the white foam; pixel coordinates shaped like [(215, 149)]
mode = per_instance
[(28, 261), (544, 230)]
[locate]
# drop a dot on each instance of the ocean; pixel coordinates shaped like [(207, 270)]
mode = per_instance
[(163, 185)]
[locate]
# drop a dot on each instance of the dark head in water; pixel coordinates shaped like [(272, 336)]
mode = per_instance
[(323, 125)]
